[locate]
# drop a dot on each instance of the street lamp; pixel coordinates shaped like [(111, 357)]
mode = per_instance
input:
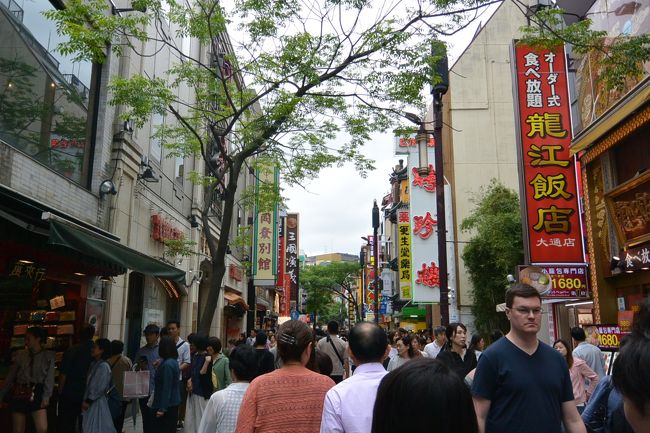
[(375, 228)]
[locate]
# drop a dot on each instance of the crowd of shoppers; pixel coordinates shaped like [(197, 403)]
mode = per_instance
[(516, 384)]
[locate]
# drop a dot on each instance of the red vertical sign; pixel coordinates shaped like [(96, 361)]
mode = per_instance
[(549, 177)]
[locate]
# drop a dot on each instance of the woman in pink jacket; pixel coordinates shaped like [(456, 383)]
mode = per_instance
[(579, 372)]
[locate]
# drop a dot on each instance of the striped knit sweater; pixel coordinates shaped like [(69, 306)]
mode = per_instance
[(288, 400)]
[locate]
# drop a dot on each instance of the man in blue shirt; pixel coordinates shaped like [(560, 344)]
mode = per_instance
[(522, 385), (587, 352), (147, 358)]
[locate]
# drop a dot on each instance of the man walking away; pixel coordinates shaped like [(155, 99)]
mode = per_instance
[(119, 364), (184, 360), (335, 348), (522, 385), (147, 358), (72, 379), (587, 352), (348, 406), (439, 340), (265, 359)]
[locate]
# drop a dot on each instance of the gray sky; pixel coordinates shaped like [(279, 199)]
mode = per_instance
[(335, 209)]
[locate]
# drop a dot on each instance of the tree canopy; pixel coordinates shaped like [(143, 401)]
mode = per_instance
[(323, 283), (278, 78), (494, 251)]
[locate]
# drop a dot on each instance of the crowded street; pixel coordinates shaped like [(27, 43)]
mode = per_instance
[(324, 216)]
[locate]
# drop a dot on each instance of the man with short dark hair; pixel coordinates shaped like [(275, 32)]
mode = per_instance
[(334, 347), (265, 359), (147, 359), (587, 351), (184, 360), (348, 406), (72, 379), (439, 339), (251, 338), (522, 385)]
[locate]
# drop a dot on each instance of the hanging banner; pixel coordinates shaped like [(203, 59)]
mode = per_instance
[(404, 251), (549, 184), (293, 264), (265, 247), (423, 221)]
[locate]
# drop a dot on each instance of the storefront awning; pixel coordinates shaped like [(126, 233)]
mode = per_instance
[(234, 298), (90, 243)]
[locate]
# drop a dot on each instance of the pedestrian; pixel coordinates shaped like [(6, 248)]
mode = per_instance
[(199, 385), (272, 341), (415, 345), (30, 382), (429, 389), (522, 385), (404, 353), (119, 364), (265, 360), (393, 336), (241, 339), (72, 380), (220, 365), (432, 349), (96, 414), (334, 347), (148, 359), (580, 373), (166, 397), (348, 406), (280, 388), (322, 363), (222, 410), (477, 344), (604, 412), (495, 335), (455, 353), (631, 375), (251, 339), (587, 351), (184, 360)]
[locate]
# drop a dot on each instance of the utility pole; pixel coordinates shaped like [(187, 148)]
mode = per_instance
[(438, 90), (375, 228)]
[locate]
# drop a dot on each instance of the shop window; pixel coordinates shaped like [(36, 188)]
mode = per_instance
[(44, 95), (155, 141)]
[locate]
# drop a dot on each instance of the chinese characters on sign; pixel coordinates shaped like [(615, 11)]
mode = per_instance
[(28, 271), (568, 281), (291, 253), (551, 194), (404, 253), (265, 248), (636, 258)]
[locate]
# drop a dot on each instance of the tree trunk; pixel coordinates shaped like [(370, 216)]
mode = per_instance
[(218, 246)]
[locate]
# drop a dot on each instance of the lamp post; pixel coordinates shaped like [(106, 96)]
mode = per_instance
[(438, 90), (375, 228), (362, 262)]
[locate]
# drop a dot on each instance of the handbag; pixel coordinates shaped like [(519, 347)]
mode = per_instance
[(136, 384), (22, 392)]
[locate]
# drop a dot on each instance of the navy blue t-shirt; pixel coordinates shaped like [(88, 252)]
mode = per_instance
[(526, 391)]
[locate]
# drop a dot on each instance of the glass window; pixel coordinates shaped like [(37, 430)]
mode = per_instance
[(44, 96), (179, 169), (155, 142)]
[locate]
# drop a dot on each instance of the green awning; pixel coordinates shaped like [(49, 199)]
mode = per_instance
[(95, 245)]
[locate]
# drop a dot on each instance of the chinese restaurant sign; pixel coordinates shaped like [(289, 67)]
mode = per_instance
[(423, 220), (265, 247), (404, 253), (293, 265), (549, 178), (568, 281)]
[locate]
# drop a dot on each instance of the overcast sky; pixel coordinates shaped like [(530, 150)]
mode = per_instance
[(335, 209)]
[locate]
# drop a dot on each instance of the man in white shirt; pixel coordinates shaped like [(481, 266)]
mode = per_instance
[(432, 349), (184, 359), (348, 406)]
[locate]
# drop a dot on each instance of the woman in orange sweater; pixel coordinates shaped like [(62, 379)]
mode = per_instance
[(264, 408)]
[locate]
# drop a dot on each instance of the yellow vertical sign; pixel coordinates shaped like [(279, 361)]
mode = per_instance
[(404, 249)]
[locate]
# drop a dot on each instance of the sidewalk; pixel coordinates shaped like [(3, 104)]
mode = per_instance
[(129, 428)]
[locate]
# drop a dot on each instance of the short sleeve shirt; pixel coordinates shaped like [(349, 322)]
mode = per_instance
[(184, 356), (526, 391)]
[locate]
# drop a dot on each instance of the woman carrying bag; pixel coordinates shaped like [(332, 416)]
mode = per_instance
[(95, 410), (30, 382)]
